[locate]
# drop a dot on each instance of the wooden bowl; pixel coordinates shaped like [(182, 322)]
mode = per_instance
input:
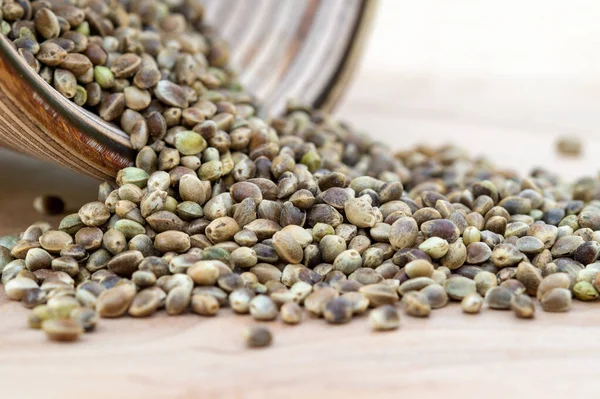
[(300, 49)]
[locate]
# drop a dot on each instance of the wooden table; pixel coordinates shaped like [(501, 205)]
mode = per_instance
[(402, 97), (491, 355)]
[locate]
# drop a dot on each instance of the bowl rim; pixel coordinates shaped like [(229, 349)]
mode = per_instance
[(332, 93), (83, 120)]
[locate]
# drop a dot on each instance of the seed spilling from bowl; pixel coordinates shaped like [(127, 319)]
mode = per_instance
[(274, 218)]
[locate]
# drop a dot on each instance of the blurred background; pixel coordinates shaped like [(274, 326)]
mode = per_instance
[(502, 79)]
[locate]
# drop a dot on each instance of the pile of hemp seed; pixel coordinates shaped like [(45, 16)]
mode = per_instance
[(293, 217)]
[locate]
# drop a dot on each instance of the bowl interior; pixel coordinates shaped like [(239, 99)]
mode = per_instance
[(283, 49)]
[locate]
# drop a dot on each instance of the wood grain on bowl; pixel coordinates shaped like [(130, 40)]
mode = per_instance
[(308, 50), (36, 120)]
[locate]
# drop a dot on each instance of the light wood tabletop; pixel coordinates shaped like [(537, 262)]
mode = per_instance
[(494, 103)]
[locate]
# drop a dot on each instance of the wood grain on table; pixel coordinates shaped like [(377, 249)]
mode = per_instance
[(405, 93), (491, 355)]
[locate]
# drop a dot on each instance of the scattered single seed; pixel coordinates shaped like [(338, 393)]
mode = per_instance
[(416, 304), (569, 146), (315, 302), (38, 315), (257, 337), (338, 311), (291, 313), (115, 301), (239, 300), (205, 305), (263, 308), (384, 318), (46, 23), (523, 306), (419, 268), (472, 303), (459, 287), (556, 300), (379, 294), (177, 300), (62, 330), (530, 276), (204, 272), (585, 291), (144, 303), (436, 296), (555, 280), (359, 302), (85, 317), (498, 298), (16, 288)]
